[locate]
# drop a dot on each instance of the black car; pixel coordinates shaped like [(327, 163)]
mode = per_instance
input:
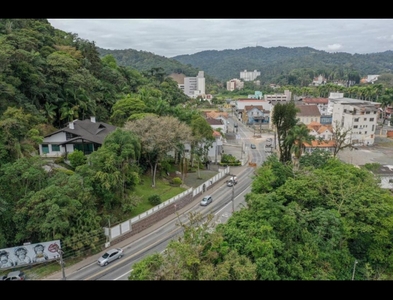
[(252, 146)]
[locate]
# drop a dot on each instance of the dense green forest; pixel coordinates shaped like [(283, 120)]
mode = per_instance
[(325, 220), (310, 222), (48, 78), (278, 65)]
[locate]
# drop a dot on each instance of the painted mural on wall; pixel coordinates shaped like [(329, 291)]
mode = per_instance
[(29, 254)]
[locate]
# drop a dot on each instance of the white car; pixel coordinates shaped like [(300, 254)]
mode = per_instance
[(110, 256), (206, 200)]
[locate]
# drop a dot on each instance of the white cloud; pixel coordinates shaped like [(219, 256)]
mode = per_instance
[(171, 37), (334, 47)]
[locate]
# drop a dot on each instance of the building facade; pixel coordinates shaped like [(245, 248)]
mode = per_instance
[(358, 116), (194, 86), (235, 84), (249, 76)]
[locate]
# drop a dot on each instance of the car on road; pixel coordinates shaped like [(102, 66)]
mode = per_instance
[(232, 181), (268, 140), (252, 146), (206, 200), (110, 256), (15, 276)]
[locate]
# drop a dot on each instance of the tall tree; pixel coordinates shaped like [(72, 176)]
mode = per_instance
[(296, 138), (283, 119), (340, 137), (159, 136)]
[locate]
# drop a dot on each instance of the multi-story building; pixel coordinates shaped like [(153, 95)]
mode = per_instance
[(194, 86), (358, 116), (249, 76), (286, 96), (235, 84)]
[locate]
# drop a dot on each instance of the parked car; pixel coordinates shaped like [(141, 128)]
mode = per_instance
[(268, 140), (252, 146), (110, 256), (206, 200), (268, 145), (15, 276)]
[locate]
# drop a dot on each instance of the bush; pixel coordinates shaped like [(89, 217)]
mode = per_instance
[(154, 200), (77, 158), (177, 181)]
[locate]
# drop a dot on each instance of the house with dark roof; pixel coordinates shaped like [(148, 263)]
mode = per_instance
[(308, 114), (84, 135)]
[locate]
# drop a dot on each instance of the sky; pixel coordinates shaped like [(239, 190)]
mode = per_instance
[(172, 37)]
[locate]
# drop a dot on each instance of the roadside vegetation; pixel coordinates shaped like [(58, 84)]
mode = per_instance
[(305, 222)]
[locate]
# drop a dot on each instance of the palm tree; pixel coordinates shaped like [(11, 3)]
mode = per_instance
[(297, 136)]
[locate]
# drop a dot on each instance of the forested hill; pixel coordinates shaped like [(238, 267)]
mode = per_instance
[(145, 61), (273, 63)]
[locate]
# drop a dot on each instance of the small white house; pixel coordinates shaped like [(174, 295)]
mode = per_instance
[(87, 136)]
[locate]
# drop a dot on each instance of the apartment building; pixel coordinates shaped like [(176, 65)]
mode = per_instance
[(249, 76), (194, 86), (359, 116), (235, 84)]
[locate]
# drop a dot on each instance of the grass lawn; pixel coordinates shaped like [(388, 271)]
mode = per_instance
[(145, 190)]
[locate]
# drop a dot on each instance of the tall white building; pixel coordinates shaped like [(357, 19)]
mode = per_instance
[(249, 76), (195, 86), (357, 115)]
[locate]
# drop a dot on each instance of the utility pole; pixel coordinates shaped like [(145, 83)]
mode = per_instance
[(62, 263), (354, 268), (233, 196)]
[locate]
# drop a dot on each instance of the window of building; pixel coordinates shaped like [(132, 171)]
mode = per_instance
[(355, 126), (55, 148), (365, 119), (367, 112), (356, 120), (45, 148), (365, 132), (371, 119)]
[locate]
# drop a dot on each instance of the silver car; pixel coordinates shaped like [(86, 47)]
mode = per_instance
[(110, 256), (206, 200)]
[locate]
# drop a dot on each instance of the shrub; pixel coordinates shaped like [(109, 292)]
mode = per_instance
[(177, 181), (154, 200), (59, 160), (77, 158)]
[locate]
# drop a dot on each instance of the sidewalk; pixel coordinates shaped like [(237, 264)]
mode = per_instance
[(123, 244)]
